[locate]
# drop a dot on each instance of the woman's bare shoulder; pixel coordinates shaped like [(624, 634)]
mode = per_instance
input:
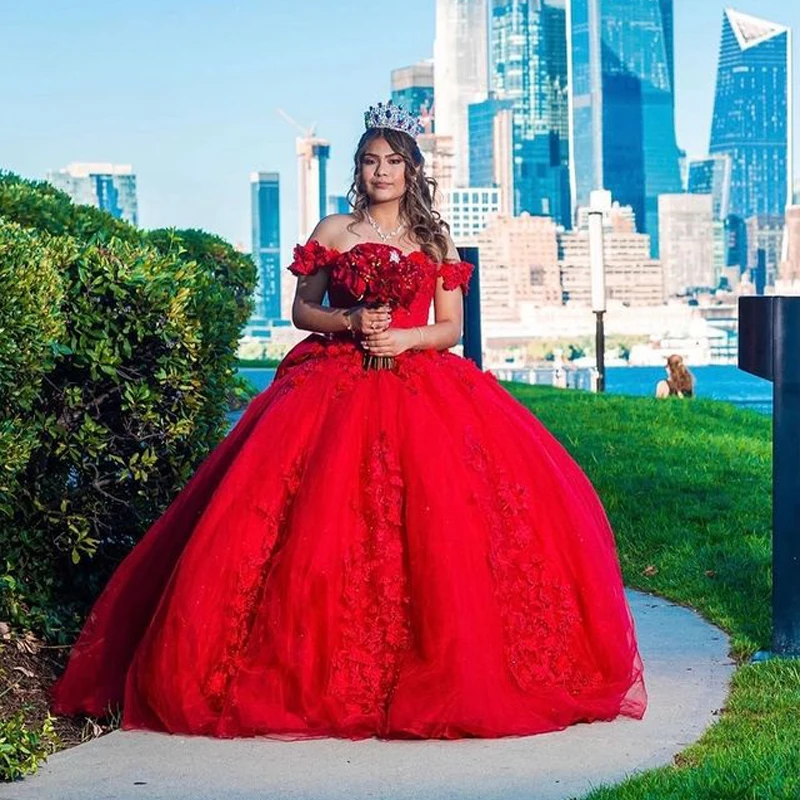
[(331, 231)]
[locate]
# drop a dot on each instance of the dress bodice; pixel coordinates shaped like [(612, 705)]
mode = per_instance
[(313, 257)]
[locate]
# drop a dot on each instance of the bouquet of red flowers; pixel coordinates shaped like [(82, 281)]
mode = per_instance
[(378, 275)]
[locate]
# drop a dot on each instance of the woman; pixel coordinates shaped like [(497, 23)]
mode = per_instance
[(387, 544), (679, 382)]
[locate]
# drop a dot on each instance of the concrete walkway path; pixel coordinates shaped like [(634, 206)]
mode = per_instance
[(686, 670)]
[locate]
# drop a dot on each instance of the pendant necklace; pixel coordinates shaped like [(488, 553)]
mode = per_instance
[(384, 237)]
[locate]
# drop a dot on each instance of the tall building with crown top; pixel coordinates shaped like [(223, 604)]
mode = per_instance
[(753, 113)]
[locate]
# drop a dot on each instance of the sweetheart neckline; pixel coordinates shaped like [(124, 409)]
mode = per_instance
[(379, 244)]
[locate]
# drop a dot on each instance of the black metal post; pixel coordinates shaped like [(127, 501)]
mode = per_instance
[(600, 347), (769, 341), (473, 344), (786, 477)]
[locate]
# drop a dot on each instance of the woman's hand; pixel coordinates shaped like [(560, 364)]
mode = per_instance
[(367, 321), (390, 342)]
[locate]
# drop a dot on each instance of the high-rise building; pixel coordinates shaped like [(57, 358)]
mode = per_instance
[(752, 113), (632, 276), (266, 223), (491, 148), (735, 242), (622, 104), (412, 88), (459, 73), (765, 233), (528, 69), (312, 182), (110, 187), (541, 184), (712, 176), (519, 263), (469, 210), (687, 237)]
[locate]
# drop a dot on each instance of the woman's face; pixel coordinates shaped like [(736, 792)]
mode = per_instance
[(383, 172)]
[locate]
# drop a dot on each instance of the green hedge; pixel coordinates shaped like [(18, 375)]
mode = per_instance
[(114, 383), (30, 320), (22, 749)]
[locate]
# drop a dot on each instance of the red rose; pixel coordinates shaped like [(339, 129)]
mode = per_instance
[(455, 274), (378, 275), (309, 258)]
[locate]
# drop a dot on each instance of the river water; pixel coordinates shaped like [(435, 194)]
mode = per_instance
[(723, 382)]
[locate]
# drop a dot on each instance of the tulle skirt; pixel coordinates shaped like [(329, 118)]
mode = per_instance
[(393, 553)]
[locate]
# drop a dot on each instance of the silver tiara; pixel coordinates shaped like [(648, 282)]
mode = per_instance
[(394, 117)]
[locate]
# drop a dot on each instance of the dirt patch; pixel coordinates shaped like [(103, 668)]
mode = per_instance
[(28, 668)]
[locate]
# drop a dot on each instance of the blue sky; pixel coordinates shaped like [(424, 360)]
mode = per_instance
[(187, 90)]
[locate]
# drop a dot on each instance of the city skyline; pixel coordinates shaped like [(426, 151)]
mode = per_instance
[(194, 143)]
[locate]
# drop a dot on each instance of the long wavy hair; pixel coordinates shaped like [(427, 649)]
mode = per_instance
[(680, 380), (416, 207)]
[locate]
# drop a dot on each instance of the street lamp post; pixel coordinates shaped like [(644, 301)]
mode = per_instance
[(598, 277)]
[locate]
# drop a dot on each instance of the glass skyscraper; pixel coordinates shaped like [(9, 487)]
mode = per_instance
[(412, 88), (752, 113), (623, 104), (482, 140), (712, 176), (528, 68), (266, 219), (110, 187)]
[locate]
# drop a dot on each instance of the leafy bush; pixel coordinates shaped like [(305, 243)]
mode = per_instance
[(228, 279), (113, 394), (22, 750), (30, 321)]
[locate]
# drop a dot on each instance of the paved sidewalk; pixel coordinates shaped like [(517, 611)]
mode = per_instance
[(686, 670)]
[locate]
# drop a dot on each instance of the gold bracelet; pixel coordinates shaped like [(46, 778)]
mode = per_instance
[(348, 323), (421, 336)]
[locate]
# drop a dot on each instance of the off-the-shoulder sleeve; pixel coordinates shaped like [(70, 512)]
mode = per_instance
[(310, 258), (455, 274)]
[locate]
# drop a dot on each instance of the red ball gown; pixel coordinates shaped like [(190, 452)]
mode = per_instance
[(401, 552)]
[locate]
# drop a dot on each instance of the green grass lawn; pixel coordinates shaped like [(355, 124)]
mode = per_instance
[(687, 486)]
